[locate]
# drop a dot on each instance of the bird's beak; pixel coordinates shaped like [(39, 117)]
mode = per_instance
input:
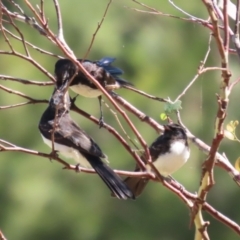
[(166, 127)]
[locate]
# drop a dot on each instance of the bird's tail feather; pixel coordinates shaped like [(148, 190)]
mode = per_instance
[(136, 184), (111, 179), (122, 82)]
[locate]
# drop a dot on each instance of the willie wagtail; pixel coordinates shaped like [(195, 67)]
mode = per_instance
[(102, 70), (168, 152), (72, 142)]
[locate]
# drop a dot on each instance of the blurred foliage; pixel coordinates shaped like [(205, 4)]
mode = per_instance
[(159, 55)]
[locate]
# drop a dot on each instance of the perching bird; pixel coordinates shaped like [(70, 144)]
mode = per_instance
[(169, 152), (102, 70), (72, 142)]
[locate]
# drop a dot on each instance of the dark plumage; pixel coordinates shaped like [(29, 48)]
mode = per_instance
[(73, 142), (169, 152), (102, 70)]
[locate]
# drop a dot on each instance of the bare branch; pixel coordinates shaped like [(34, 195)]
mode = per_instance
[(21, 104), (146, 94), (20, 94), (60, 35), (31, 45), (235, 37), (226, 26), (24, 18), (156, 12), (24, 81), (2, 236), (222, 218), (200, 71), (32, 61), (114, 132), (19, 32), (98, 27)]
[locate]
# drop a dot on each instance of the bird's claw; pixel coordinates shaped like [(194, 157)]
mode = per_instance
[(77, 168), (53, 154), (101, 122)]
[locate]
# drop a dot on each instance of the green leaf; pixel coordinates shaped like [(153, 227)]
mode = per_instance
[(230, 131), (237, 164), (232, 126), (229, 135), (171, 107)]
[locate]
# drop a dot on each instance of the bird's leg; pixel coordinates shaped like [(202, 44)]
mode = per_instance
[(77, 168), (101, 121), (53, 154)]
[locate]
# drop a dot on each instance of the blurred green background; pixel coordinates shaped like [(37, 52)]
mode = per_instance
[(159, 55)]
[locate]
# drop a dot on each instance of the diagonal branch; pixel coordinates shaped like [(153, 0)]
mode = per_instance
[(20, 94), (98, 27)]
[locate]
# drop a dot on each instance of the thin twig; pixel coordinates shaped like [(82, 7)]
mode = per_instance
[(22, 104), (2, 236), (26, 19), (59, 21), (226, 27), (31, 60), (9, 90), (235, 36), (96, 31), (18, 30), (184, 12), (201, 67), (146, 94), (222, 218), (60, 35), (32, 46), (122, 128), (112, 130), (3, 32), (24, 81), (156, 12)]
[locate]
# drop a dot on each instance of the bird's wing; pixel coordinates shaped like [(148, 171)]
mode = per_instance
[(106, 64), (106, 61), (68, 133), (114, 72)]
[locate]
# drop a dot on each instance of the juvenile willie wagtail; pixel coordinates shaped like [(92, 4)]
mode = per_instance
[(72, 142), (102, 70), (169, 152)]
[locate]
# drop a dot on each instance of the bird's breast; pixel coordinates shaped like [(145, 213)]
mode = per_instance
[(171, 161), (86, 91), (68, 152)]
